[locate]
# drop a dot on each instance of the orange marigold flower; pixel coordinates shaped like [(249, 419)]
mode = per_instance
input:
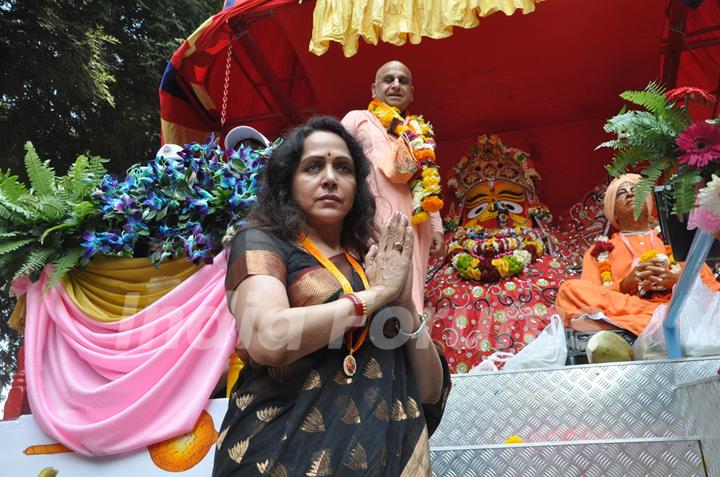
[(424, 155), (432, 203)]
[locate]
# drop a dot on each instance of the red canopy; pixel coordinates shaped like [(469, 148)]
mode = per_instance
[(546, 81)]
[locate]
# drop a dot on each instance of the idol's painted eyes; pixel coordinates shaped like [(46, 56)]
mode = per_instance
[(508, 206), (476, 211)]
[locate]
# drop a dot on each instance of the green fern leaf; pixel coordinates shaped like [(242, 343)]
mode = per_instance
[(44, 208), (64, 225), (640, 127), (36, 260), (79, 170), (7, 247), (13, 211), (646, 185), (625, 160), (10, 186), (7, 235), (678, 119), (63, 265), (41, 175), (621, 123), (79, 181), (652, 98), (84, 209), (96, 168), (641, 191), (684, 191), (613, 144)]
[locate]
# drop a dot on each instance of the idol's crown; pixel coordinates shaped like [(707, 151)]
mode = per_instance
[(490, 159)]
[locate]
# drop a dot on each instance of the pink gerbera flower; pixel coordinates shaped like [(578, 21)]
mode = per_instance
[(701, 144)]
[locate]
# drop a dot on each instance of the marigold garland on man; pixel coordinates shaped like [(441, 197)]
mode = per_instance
[(405, 177)]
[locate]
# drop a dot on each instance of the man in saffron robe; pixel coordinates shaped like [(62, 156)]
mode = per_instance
[(394, 165), (616, 281)]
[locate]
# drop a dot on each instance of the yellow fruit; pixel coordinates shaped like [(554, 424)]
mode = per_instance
[(48, 472), (608, 347), (184, 452)]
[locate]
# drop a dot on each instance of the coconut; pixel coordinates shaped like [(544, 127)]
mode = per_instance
[(607, 347)]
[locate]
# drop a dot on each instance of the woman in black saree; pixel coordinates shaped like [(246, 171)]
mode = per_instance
[(339, 364)]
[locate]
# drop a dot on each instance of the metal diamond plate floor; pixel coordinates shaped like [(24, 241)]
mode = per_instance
[(628, 459), (703, 413), (616, 401)]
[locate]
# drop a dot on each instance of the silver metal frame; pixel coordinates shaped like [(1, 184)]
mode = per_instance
[(599, 419)]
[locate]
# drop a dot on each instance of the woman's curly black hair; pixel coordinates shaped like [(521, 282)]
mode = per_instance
[(277, 211)]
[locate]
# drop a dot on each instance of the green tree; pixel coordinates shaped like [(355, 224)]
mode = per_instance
[(83, 75)]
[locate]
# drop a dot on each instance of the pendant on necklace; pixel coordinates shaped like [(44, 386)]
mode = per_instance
[(349, 365)]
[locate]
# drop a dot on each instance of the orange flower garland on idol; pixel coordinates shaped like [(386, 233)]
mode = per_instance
[(418, 135)]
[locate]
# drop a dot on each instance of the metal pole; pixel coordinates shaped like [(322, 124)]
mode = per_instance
[(699, 250)]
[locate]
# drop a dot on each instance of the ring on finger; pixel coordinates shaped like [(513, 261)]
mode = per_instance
[(398, 246)]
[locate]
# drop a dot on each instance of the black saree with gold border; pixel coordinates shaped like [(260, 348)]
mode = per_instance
[(309, 418)]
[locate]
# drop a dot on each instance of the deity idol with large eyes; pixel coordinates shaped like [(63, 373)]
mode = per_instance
[(496, 193), (497, 289)]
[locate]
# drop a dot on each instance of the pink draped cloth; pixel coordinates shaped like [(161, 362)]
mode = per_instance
[(108, 388), (390, 196)]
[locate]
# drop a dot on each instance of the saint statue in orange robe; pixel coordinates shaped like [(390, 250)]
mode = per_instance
[(626, 277)]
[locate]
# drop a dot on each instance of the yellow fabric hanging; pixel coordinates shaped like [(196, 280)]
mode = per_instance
[(17, 318), (394, 21), (112, 288)]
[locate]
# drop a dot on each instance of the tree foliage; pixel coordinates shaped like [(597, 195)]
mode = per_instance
[(83, 75), (79, 76)]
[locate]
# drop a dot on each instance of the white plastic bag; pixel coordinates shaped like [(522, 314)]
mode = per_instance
[(548, 350), (699, 327), (489, 363), (700, 322), (650, 344)]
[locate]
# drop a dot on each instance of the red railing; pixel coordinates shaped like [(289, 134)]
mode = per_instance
[(17, 401)]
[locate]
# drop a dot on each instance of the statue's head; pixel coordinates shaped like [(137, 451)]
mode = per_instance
[(494, 204), (494, 186)]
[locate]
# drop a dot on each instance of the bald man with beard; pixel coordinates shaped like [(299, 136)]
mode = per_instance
[(393, 86)]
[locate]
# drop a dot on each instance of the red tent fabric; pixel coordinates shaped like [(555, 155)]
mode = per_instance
[(545, 81), (700, 53)]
